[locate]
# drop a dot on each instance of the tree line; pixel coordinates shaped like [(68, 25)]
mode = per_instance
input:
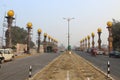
[(116, 34), (19, 35)]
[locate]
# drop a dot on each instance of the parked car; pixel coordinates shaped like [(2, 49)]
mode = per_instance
[(99, 52), (6, 54), (114, 54)]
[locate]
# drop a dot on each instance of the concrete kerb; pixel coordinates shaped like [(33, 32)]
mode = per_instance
[(98, 69), (43, 68), (27, 55)]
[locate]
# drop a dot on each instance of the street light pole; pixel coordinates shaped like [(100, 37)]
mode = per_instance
[(29, 27), (39, 33), (93, 43), (110, 38), (10, 19), (88, 41), (68, 20), (99, 38), (45, 42)]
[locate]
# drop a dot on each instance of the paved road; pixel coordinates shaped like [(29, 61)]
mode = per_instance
[(101, 62), (19, 69)]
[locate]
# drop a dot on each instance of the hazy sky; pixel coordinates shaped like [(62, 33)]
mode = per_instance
[(48, 15)]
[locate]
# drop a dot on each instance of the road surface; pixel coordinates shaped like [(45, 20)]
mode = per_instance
[(19, 69), (101, 62)]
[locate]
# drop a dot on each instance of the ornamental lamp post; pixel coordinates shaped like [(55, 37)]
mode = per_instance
[(45, 43), (53, 41), (39, 33), (10, 19), (86, 42), (45, 36), (56, 45), (57, 42), (99, 38), (88, 37), (80, 44), (53, 44), (49, 38), (93, 35), (29, 27), (83, 44), (110, 38)]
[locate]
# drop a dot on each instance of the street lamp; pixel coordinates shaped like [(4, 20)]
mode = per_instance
[(56, 45), (68, 19), (86, 42), (99, 39), (29, 27), (45, 43), (10, 19), (49, 38), (88, 37), (45, 36), (110, 38), (56, 42), (39, 32), (93, 35), (80, 44), (83, 44)]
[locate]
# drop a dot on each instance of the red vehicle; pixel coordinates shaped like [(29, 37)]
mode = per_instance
[(55, 50), (94, 51)]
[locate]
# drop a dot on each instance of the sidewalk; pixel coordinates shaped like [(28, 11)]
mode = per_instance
[(22, 55)]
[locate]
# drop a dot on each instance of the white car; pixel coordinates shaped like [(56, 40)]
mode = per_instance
[(6, 54), (100, 52)]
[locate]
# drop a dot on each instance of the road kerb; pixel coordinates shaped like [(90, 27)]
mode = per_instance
[(44, 68)]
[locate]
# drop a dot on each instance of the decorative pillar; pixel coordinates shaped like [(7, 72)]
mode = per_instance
[(93, 43), (49, 39), (29, 27), (55, 44), (39, 41), (10, 19), (85, 42), (88, 41), (110, 38), (99, 38), (80, 44), (45, 42)]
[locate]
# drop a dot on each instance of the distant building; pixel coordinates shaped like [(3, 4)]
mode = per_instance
[(20, 48)]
